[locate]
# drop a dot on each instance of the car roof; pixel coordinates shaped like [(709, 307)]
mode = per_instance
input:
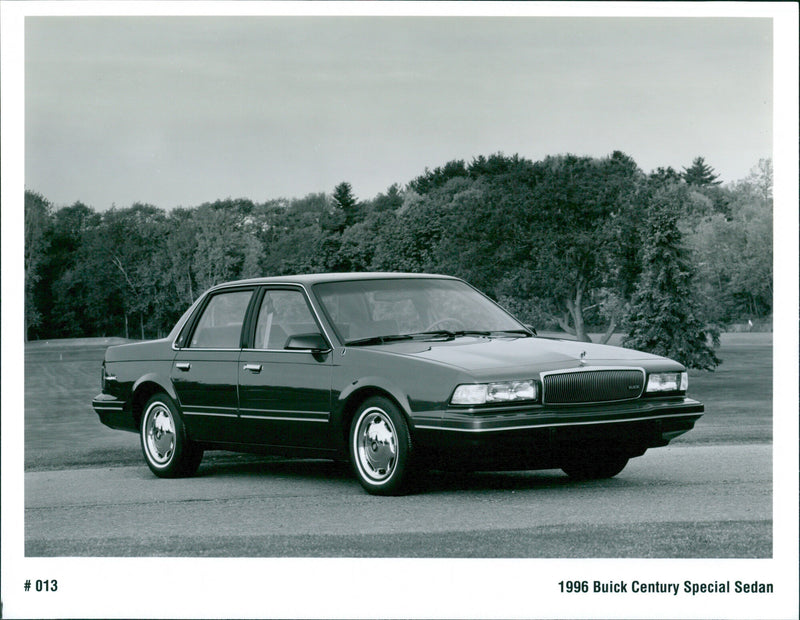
[(318, 278)]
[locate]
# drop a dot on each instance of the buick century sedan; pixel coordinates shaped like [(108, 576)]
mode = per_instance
[(394, 373)]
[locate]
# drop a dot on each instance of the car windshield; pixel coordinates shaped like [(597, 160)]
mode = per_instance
[(366, 311)]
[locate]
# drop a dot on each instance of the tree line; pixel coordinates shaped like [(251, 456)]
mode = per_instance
[(568, 242)]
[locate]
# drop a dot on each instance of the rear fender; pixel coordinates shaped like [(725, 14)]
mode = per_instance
[(152, 377)]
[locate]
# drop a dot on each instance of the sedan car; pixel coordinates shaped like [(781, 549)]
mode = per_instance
[(393, 372)]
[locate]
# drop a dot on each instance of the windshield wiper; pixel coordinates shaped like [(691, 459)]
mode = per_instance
[(437, 333), (522, 332), (441, 333), (444, 333), (377, 340), (473, 332), (447, 333)]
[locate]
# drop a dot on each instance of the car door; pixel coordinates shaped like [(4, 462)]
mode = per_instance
[(284, 395), (204, 371)]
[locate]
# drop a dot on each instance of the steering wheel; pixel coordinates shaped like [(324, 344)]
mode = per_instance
[(445, 320)]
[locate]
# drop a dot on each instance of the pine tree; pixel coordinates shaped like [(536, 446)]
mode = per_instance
[(343, 199), (664, 315), (700, 174)]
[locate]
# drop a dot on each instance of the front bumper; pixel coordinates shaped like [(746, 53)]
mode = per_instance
[(540, 437), (511, 419)]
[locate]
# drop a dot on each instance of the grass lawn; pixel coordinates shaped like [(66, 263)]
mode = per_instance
[(62, 377), (738, 394), (61, 428)]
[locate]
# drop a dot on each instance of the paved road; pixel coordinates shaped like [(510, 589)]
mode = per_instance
[(678, 501)]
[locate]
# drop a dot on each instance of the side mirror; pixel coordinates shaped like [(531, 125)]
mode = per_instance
[(313, 342)]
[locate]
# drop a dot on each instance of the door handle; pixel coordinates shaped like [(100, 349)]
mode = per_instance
[(253, 367), (184, 366)]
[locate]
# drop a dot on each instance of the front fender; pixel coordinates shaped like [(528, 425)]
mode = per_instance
[(374, 382)]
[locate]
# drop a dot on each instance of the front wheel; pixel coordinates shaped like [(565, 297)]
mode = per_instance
[(595, 465), (168, 452), (380, 447)]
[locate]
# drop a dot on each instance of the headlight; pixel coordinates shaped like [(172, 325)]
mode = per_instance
[(668, 382), (497, 392)]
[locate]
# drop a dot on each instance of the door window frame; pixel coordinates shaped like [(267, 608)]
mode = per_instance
[(186, 334), (249, 333)]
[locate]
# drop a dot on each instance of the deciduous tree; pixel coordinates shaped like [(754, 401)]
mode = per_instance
[(37, 224), (582, 210), (734, 251)]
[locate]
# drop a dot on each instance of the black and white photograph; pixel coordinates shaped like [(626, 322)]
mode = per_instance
[(399, 310)]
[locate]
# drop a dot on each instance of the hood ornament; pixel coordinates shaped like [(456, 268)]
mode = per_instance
[(583, 357)]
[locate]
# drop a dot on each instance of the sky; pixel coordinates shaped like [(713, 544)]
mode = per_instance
[(177, 111)]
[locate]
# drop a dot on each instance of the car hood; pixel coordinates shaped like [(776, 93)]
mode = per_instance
[(491, 354)]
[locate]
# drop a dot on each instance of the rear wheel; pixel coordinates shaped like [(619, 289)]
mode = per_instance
[(168, 452), (380, 447), (595, 465)]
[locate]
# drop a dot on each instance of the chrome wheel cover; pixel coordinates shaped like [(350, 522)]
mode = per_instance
[(375, 445), (159, 434)]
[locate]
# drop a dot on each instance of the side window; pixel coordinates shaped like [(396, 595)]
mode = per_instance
[(220, 326), (282, 314)]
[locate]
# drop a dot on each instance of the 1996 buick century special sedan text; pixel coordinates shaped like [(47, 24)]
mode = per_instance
[(394, 372)]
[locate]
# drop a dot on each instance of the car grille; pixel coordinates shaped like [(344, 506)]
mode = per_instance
[(591, 386)]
